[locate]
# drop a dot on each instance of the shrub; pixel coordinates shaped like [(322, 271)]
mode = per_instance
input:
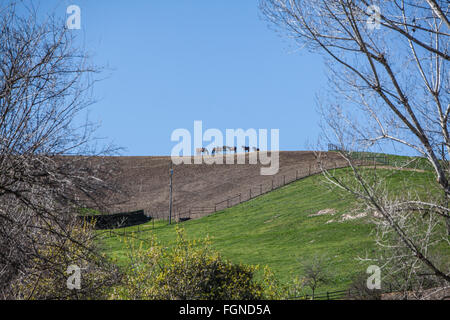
[(191, 270), (46, 276), (358, 290)]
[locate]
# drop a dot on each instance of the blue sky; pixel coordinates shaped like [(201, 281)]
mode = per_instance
[(173, 62)]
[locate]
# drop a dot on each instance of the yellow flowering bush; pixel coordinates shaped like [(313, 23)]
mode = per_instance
[(190, 270)]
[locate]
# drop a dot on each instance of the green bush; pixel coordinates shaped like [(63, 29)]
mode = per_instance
[(191, 270)]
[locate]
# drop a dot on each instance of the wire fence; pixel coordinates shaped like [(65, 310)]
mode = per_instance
[(127, 233), (185, 213), (188, 213), (352, 293), (345, 294), (372, 158), (181, 214), (363, 156), (329, 295)]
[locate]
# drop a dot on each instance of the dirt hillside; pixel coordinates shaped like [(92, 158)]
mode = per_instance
[(204, 188)]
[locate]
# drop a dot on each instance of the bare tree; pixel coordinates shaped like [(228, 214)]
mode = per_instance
[(388, 69), (315, 274), (45, 84), (405, 273)]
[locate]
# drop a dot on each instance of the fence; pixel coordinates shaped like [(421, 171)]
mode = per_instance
[(357, 294), (365, 157), (333, 147), (343, 294), (187, 213), (333, 295), (123, 233), (184, 214)]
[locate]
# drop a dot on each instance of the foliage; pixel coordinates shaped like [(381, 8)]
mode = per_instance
[(276, 229), (315, 274), (50, 282), (190, 270), (46, 84)]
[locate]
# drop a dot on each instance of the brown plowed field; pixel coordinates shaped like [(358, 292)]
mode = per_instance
[(204, 188)]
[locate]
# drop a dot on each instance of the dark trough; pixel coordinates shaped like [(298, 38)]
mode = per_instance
[(117, 220)]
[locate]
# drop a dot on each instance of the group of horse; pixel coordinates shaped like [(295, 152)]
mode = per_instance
[(224, 149)]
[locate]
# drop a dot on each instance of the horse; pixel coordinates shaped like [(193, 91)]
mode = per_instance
[(224, 149), (201, 151), (217, 149), (246, 149)]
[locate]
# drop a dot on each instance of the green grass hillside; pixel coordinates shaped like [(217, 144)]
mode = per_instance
[(280, 229)]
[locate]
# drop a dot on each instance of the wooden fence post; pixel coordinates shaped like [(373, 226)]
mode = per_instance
[(261, 189)]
